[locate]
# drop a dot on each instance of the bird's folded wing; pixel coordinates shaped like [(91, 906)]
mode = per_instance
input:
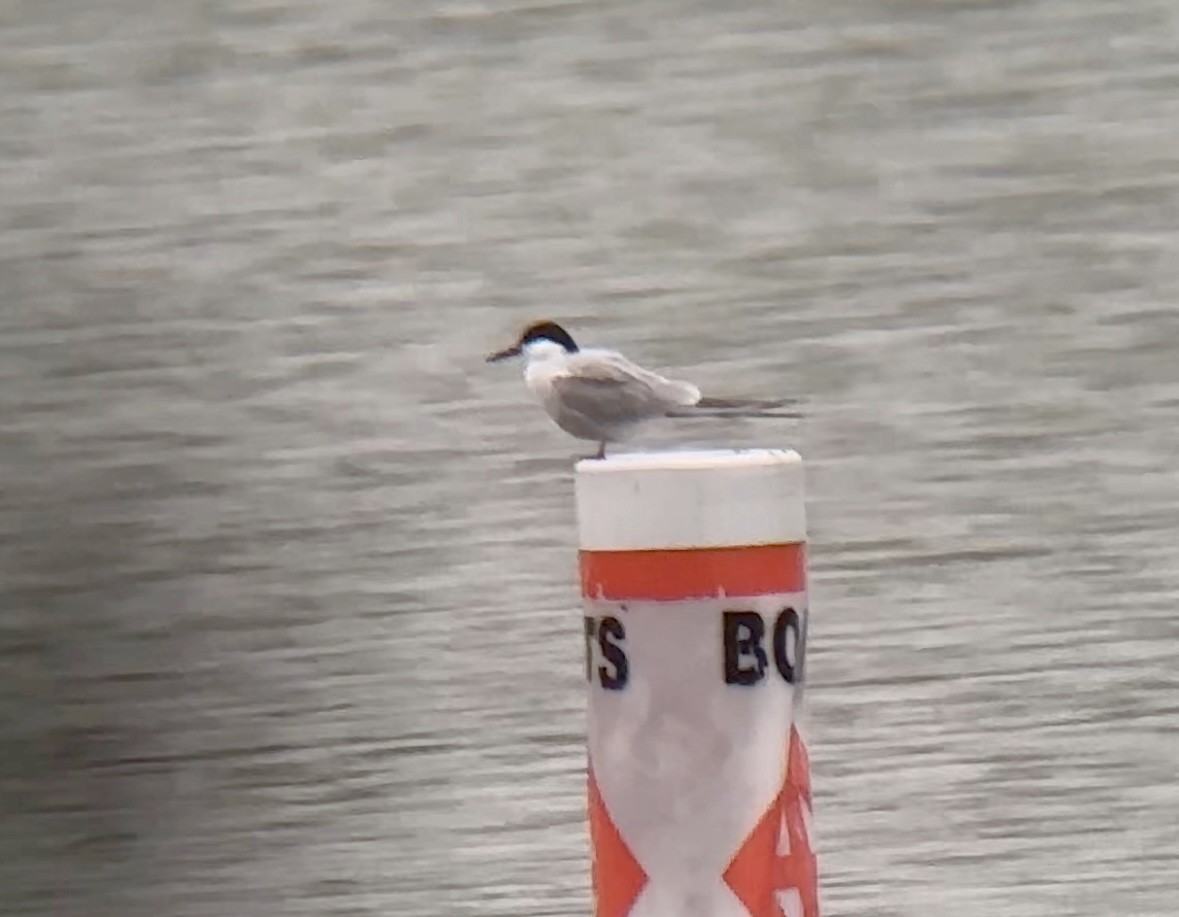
[(607, 400)]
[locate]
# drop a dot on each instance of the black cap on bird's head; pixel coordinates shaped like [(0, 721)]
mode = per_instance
[(537, 331)]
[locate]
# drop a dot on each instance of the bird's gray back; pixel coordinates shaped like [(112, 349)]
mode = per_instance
[(601, 394)]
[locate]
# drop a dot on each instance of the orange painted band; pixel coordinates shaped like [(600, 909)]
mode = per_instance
[(692, 573)]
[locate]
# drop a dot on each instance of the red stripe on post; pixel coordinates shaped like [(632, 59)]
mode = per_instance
[(693, 573)]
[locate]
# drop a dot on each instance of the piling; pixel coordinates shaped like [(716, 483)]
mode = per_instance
[(694, 583)]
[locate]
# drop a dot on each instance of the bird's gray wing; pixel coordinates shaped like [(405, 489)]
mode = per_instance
[(609, 392)]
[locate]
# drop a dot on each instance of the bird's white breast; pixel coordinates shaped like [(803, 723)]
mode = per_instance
[(545, 362)]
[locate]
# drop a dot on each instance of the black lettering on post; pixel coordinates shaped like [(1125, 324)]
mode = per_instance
[(788, 645), (591, 630), (611, 633), (743, 634), (800, 656)]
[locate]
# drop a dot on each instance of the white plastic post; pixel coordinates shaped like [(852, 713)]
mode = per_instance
[(693, 574)]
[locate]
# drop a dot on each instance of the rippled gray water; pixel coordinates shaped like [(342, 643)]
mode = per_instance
[(289, 621)]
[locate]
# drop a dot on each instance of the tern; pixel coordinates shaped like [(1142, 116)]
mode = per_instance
[(601, 396)]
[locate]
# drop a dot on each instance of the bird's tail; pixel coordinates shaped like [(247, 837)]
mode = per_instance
[(748, 404), (741, 407)]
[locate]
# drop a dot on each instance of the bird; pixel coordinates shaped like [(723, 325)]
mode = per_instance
[(599, 395)]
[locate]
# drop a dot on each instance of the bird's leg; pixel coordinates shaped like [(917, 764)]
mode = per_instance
[(601, 450)]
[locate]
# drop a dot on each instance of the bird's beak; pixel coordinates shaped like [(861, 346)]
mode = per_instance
[(513, 351)]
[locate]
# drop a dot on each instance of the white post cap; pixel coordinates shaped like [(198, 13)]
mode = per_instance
[(705, 499)]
